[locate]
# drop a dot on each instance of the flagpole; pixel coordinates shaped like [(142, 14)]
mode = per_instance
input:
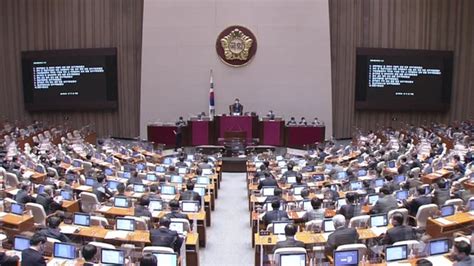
[(212, 107)]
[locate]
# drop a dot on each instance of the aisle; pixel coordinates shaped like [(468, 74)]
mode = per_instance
[(228, 239)]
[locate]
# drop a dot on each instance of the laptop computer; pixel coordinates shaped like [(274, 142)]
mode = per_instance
[(378, 220), (279, 227), (166, 259), (346, 258), (438, 247), (401, 195), (207, 171), (391, 164), (396, 253), (127, 175), (167, 161), (379, 182), (121, 202), (203, 180), (90, 181), (297, 190), (447, 210), (176, 179), (160, 169), (138, 188), (291, 179), (362, 172), (82, 219), (293, 259), (151, 177), (177, 226), (307, 205), (182, 170), (328, 228), (341, 202), (109, 172), (318, 178), (342, 175), (471, 205), (155, 205), (112, 184), (125, 224), (268, 191), (67, 195), (17, 208), (63, 252), (112, 257), (189, 206), (200, 190), (19, 244), (372, 199), (168, 190), (356, 185), (399, 179)]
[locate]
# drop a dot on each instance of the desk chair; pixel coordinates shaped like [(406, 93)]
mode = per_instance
[(415, 172), (152, 249), (360, 247), (314, 225), (3, 172), (99, 221), (141, 223), (89, 202), (412, 245), (11, 180), (51, 169), (39, 215), (424, 212), (101, 245), (400, 210), (87, 166), (458, 203), (285, 251), (360, 221)]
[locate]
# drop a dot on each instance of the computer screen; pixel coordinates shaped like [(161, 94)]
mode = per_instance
[(190, 157), (90, 182), (341, 202), (182, 170), (39, 169), (111, 184), (177, 226), (402, 194), (112, 256), (121, 202), (82, 219), (399, 178), (207, 171), (160, 169), (200, 190), (356, 185), (471, 205), (203, 180), (297, 190), (447, 210), (346, 258), (391, 164), (395, 253), (176, 179), (328, 226), (372, 199), (109, 172), (20, 243), (190, 206), (155, 205), (40, 189), (151, 177), (291, 179), (168, 190), (125, 224), (140, 167), (279, 158), (341, 175), (167, 161), (293, 260), (64, 251), (166, 259), (279, 228), (362, 172), (437, 247), (318, 177), (307, 205), (138, 188), (378, 220), (379, 182), (127, 175), (268, 191), (281, 163), (76, 164), (17, 208)]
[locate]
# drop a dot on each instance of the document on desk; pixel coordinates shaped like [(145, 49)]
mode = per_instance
[(68, 229), (28, 174), (13, 191), (83, 187), (379, 230), (2, 214), (300, 214), (443, 221), (105, 208), (116, 235), (260, 199), (439, 261)]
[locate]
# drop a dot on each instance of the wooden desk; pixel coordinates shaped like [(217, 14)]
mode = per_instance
[(71, 206), (200, 218), (433, 177), (457, 222), (15, 224)]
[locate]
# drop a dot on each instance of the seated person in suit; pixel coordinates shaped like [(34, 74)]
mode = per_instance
[(142, 208), (148, 260), (461, 254), (46, 200), (260, 173), (23, 195), (458, 165), (100, 189), (134, 179), (120, 189), (317, 213), (329, 193), (88, 253), (299, 181), (277, 195), (398, 232), (414, 204), (180, 162), (341, 236), (190, 194), (7, 260), (275, 215), (386, 202), (289, 171), (154, 192), (441, 193), (34, 254), (236, 108), (205, 163), (291, 122), (164, 237), (269, 181), (53, 230), (352, 208), (175, 211), (290, 241)]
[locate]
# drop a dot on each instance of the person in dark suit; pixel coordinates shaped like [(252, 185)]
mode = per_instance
[(386, 202), (458, 165), (120, 190), (148, 260), (164, 237), (236, 108), (391, 184), (290, 241), (299, 181), (461, 254), (134, 179), (23, 195), (88, 253), (275, 215), (352, 208), (33, 255), (180, 162), (179, 132), (341, 236), (175, 211), (317, 213), (53, 229), (289, 172), (417, 202), (101, 190), (441, 193), (398, 232), (142, 208), (6, 260), (205, 163), (46, 200), (269, 181), (277, 195), (190, 194), (292, 122)]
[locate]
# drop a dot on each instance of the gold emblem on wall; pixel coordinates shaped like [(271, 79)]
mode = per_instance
[(236, 46)]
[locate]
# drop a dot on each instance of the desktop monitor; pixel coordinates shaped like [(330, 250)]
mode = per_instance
[(168, 190), (279, 227), (293, 259), (127, 175), (168, 161), (402, 195), (268, 191), (138, 188), (39, 169), (362, 172), (399, 179), (90, 181), (155, 205), (378, 220), (20, 243), (76, 164), (200, 190), (64, 250), (176, 179), (160, 169), (109, 172), (207, 171), (40, 189), (438, 247), (372, 199), (177, 226), (125, 224), (17, 208), (346, 258), (166, 259), (471, 205), (356, 185), (182, 170), (379, 182), (395, 253), (112, 184), (189, 206), (151, 177), (82, 219), (341, 202), (307, 205), (318, 178), (141, 167), (112, 256), (297, 190), (291, 179), (121, 202), (342, 175), (204, 180), (447, 210), (67, 195), (328, 226), (391, 164)]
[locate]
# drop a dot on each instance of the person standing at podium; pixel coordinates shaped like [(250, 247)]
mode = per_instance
[(179, 132), (236, 108)]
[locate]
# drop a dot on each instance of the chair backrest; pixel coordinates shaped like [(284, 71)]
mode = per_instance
[(3, 172), (360, 247), (49, 245), (51, 169), (424, 212), (314, 225), (415, 171), (140, 222), (157, 249), (11, 180), (37, 210), (187, 225), (87, 166), (402, 211), (456, 202), (359, 221), (102, 245), (287, 251), (89, 202), (99, 221), (411, 244)]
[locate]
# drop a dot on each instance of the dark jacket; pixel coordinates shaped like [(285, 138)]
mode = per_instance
[(177, 214), (275, 215), (415, 204), (290, 242), (399, 233), (142, 211), (164, 237), (441, 195), (23, 197), (190, 195), (350, 210), (55, 233), (267, 182), (46, 201), (6, 260), (102, 192), (30, 257), (341, 236), (385, 204)]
